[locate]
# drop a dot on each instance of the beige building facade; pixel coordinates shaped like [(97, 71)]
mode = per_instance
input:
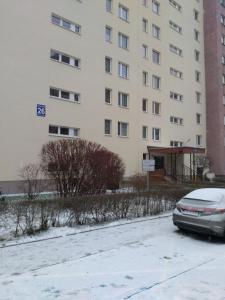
[(126, 74)]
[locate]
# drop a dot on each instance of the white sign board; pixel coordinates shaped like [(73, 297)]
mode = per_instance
[(148, 165)]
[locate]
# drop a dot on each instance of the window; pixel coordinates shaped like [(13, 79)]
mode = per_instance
[(123, 129), (176, 73), (144, 3), (108, 5), (176, 120), (222, 20), (145, 105), (222, 2), (223, 79), (123, 70), (223, 59), (63, 131), (198, 97), (108, 34), (65, 58), (123, 40), (145, 78), (196, 15), (66, 24), (145, 51), (108, 96), (156, 82), (175, 5), (175, 27), (123, 13), (155, 57), (198, 118), (64, 95), (196, 35), (156, 134), (223, 99), (108, 64), (108, 127), (176, 50), (123, 99), (145, 25), (223, 40), (155, 7), (156, 108), (145, 132), (197, 55), (155, 31), (198, 140), (176, 144), (197, 76), (176, 96)]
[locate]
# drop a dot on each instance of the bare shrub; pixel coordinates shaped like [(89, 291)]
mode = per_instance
[(80, 167), (32, 180), (138, 182)]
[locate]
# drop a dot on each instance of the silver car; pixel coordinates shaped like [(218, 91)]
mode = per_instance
[(202, 211)]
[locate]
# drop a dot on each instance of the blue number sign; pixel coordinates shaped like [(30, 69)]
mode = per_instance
[(41, 110)]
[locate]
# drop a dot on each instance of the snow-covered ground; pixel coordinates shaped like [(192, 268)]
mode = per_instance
[(149, 260)]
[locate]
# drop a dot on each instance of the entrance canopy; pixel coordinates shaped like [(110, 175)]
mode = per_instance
[(175, 150)]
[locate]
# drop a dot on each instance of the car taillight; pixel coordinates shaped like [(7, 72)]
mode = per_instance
[(212, 211)]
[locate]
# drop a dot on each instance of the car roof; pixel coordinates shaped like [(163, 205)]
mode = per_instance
[(207, 194)]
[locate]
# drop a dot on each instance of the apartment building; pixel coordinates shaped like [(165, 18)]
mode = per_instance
[(127, 74), (215, 82)]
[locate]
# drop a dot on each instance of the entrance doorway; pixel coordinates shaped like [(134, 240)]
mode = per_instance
[(159, 162)]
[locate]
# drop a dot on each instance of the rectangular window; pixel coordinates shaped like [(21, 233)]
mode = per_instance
[(155, 7), (176, 50), (196, 35), (198, 140), (108, 127), (144, 3), (66, 24), (176, 120), (123, 129), (175, 27), (197, 76), (64, 131), (65, 58), (145, 78), (198, 97), (155, 31), (198, 118), (175, 5), (222, 20), (176, 96), (156, 134), (145, 132), (176, 73), (108, 96), (108, 5), (156, 82), (108, 64), (145, 51), (108, 34), (123, 70), (145, 105), (123, 13), (123, 40), (123, 99), (176, 144), (223, 59), (197, 55), (196, 15), (144, 25), (155, 57), (156, 108), (64, 95)]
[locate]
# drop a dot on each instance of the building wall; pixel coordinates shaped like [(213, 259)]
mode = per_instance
[(215, 89), (27, 72)]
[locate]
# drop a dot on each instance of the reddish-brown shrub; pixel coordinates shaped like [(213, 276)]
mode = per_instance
[(81, 167)]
